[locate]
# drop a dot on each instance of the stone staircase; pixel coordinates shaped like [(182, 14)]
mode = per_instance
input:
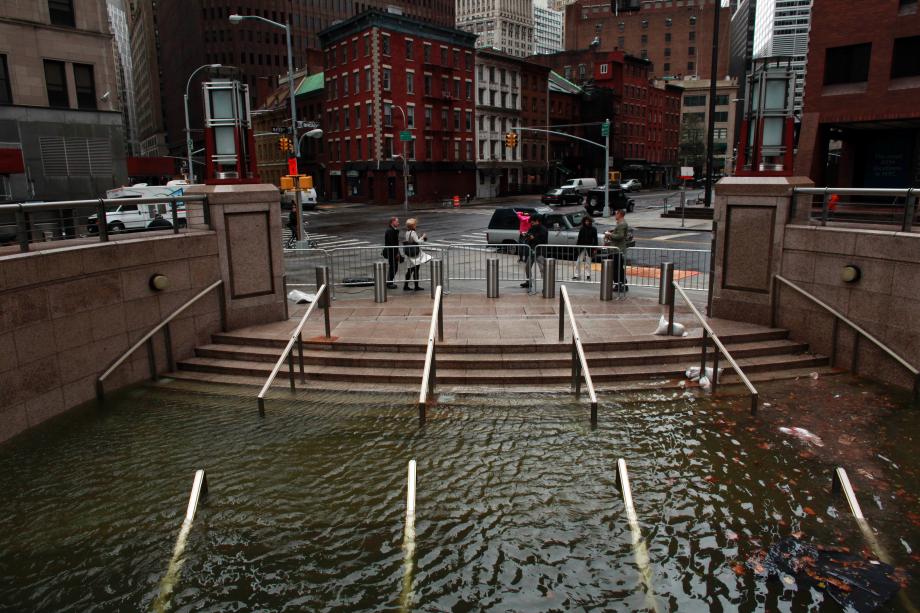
[(634, 363)]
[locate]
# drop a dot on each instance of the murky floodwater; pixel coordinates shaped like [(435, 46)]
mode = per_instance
[(517, 506)]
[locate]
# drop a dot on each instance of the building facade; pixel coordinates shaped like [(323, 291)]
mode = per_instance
[(150, 127), (398, 89), (499, 103), (694, 123), (860, 120), (676, 37), (61, 131), (124, 69), (503, 25), (548, 34), (781, 29)]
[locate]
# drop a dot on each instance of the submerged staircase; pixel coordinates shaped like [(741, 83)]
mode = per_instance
[(629, 364)]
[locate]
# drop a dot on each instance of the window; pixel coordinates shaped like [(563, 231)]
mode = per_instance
[(720, 116), (427, 116), (56, 84), (582, 69), (644, 39), (667, 68), (357, 117), (388, 114), (445, 87), (604, 68), (691, 51), (61, 13), (457, 89), (410, 50), (469, 120), (468, 59), (385, 44), (469, 90), (668, 22), (621, 41), (905, 58), (667, 37), (504, 100), (410, 83), (370, 115), (443, 56), (720, 133), (367, 45), (491, 98), (456, 119), (371, 154), (456, 150), (357, 83), (692, 37), (443, 119), (410, 116), (693, 20), (367, 79), (667, 52), (456, 58), (501, 77), (386, 79), (354, 50), (346, 119), (848, 64), (345, 84), (721, 100), (445, 153), (691, 67), (469, 150), (645, 24), (6, 92), (410, 146), (426, 53), (427, 84), (388, 147), (429, 150)]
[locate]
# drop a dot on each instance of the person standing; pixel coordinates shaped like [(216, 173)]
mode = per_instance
[(412, 251), (619, 238), (536, 236), (587, 238), (391, 251), (523, 229)]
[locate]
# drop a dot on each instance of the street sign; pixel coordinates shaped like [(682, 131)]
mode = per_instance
[(605, 128), (307, 125), (281, 130), (405, 135)]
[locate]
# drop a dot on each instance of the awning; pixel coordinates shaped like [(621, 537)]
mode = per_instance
[(11, 161)]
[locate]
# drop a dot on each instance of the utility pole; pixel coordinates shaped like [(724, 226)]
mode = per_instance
[(713, 80)]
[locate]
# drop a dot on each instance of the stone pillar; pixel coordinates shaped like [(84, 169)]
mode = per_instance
[(247, 219), (752, 213)]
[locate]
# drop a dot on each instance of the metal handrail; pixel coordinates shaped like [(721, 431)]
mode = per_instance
[(910, 195), (163, 325), (708, 332), (579, 361), (76, 204), (430, 371), (288, 355), (838, 317)]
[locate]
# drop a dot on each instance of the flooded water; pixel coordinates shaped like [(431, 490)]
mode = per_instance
[(517, 507)]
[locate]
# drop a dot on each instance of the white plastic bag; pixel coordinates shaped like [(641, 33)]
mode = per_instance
[(295, 295), (662, 329), (693, 373)]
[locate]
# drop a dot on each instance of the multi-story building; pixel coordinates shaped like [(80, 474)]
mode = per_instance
[(149, 129), (534, 114), (860, 121), (694, 122), (503, 25), (675, 36), (781, 29), (387, 75), (565, 156), (124, 70), (60, 118), (547, 28)]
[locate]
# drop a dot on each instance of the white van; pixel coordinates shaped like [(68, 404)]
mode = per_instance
[(307, 199), (130, 216), (580, 185)]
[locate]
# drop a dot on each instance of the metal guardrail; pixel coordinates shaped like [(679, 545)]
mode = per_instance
[(861, 205), (163, 325), (71, 218), (719, 348), (321, 299), (860, 333), (430, 371), (579, 361)]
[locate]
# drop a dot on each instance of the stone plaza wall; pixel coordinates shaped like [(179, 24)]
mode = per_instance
[(67, 313)]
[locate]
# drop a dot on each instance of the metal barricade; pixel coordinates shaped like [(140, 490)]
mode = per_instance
[(691, 267)]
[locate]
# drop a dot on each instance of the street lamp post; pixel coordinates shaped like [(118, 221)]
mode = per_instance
[(237, 19), (188, 130), (405, 158)]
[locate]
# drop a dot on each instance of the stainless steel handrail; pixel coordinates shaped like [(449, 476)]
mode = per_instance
[(708, 332), (838, 317), (76, 204), (910, 195), (430, 371), (288, 354), (579, 361), (163, 325)]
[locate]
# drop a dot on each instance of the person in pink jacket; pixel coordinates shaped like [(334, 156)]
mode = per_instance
[(523, 228)]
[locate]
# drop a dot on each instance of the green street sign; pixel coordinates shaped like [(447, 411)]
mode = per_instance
[(405, 135), (605, 128)]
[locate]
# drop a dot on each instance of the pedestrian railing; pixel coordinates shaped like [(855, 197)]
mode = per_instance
[(430, 370), (321, 299), (147, 339), (859, 333), (24, 224), (862, 206), (718, 347), (579, 361)]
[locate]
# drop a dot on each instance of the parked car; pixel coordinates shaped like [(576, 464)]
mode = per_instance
[(631, 185), (561, 195), (618, 200), (580, 185), (563, 224)]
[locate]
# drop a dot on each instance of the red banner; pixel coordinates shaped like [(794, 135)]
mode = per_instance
[(11, 162), (292, 166)]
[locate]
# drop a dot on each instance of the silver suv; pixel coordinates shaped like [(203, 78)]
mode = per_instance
[(562, 222)]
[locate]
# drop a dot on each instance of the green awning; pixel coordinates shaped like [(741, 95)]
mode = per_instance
[(310, 83)]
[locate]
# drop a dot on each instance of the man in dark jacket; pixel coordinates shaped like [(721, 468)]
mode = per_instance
[(587, 237), (536, 236), (391, 250)]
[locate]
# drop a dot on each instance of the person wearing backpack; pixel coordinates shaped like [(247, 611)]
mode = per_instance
[(622, 238)]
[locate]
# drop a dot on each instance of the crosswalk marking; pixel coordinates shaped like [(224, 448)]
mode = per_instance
[(668, 237)]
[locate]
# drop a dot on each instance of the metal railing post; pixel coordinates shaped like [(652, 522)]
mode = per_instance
[(910, 210), (437, 276), (574, 360), (222, 296), (175, 216), (671, 312), (303, 377), (703, 353), (561, 319), (322, 278), (205, 213), (441, 318), (665, 283), (22, 229), (492, 278), (102, 223), (290, 361), (715, 369), (606, 279), (825, 210), (167, 338), (712, 267), (285, 290), (380, 281), (152, 359), (549, 278)]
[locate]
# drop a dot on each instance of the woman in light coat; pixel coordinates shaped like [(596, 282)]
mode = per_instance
[(413, 253)]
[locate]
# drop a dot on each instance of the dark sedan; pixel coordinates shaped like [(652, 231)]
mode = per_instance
[(560, 196)]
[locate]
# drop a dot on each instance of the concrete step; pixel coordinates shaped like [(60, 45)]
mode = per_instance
[(559, 359)]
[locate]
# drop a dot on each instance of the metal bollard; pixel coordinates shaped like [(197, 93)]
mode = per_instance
[(492, 278), (607, 279), (380, 281), (549, 278), (666, 283), (322, 278), (437, 276)]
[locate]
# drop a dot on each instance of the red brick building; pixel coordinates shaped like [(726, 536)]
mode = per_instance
[(675, 36), (861, 120), (386, 74), (535, 113)]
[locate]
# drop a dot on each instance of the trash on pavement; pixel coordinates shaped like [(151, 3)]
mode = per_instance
[(662, 329), (295, 295), (803, 435)]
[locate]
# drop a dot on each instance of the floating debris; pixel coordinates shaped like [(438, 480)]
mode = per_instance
[(803, 435)]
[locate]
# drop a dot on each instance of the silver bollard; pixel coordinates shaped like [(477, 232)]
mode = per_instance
[(666, 283), (607, 279), (322, 278), (549, 278), (492, 277), (437, 276), (380, 281)]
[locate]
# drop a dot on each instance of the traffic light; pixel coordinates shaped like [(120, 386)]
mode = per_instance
[(511, 140), (285, 144)]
